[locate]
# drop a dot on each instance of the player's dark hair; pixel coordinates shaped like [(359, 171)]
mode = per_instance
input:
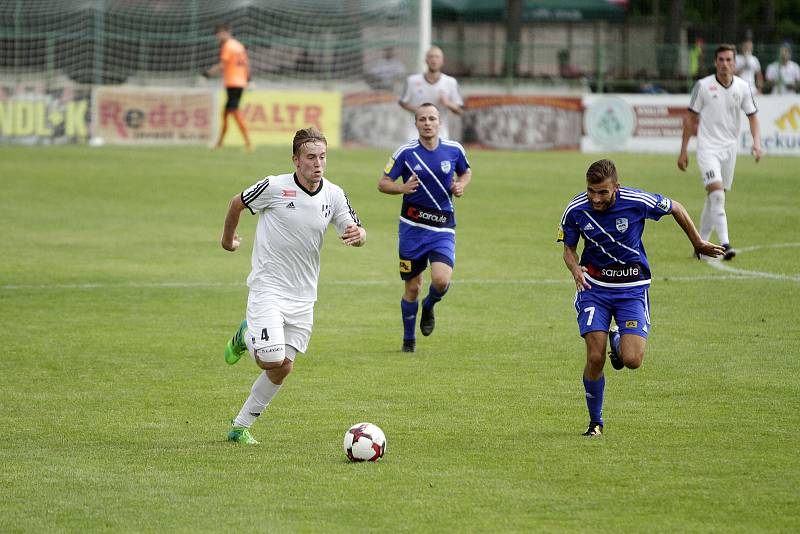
[(307, 135), (725, 48), (222, 27), (425, 105), (600, 171)]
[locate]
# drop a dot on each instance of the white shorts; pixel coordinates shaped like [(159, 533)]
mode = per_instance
[(273, 323), (717, 166)]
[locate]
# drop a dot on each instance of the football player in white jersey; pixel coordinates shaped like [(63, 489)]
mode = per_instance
[(294, 211), (432, 86), (716, 103)]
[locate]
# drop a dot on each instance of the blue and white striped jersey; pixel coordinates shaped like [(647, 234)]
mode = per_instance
[(613, 252), (431, 205)]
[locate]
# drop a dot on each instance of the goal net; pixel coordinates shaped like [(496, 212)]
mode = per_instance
[(157, 41)]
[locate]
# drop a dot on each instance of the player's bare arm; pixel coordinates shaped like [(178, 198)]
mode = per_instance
[(446, 102), (354, 236), (460, 183), (689, 129), (230, 239), (392, 187), (406, 106), (577, 270), (685, 222), (755, 131)]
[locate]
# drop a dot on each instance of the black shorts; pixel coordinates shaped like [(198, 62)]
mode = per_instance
[(234, 95)]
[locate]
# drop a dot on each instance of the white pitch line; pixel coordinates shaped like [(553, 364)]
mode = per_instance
[(719, 265)]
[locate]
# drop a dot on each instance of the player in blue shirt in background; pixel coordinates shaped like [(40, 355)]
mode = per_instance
[(433, 171), (612, 276)]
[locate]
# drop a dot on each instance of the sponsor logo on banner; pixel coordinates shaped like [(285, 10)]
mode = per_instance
[(779, 117), (33, 115), (144, 116), (445, 167), (610, 121), (273, 117), (622, 224), (658, 124), (788, 119)]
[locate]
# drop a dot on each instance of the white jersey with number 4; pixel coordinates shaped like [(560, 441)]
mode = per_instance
[(719, 108), (291, 224)]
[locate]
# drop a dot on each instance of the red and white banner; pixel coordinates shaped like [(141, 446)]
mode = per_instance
[(134, 116)]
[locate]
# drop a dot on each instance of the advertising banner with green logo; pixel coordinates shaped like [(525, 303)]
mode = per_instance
[(654, 123)]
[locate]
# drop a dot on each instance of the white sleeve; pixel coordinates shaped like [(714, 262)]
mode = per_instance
[(748, 101), (696, 101), (771, 75), (343, 214), (405, 95), (455, 95), (257, 196)]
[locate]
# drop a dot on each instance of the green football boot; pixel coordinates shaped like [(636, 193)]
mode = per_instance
[(240, 434), (236, 346)]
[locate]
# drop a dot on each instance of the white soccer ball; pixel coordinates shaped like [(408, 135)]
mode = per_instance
[(364, 442)]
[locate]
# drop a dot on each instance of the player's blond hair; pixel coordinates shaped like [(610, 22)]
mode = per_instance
[(600, 171), (307, 135)]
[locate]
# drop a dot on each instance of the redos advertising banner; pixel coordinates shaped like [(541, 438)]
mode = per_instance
[(654, 123), (32, 114), (146, 116), (273, 117)]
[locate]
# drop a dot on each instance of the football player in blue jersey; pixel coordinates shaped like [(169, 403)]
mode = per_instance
[(433, 171), (613, 275)]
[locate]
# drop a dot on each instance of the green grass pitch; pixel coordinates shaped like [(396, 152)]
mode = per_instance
[(116, 301)]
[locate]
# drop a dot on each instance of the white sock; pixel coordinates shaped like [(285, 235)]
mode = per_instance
[(261, 394), (706, 222), (717, 201)]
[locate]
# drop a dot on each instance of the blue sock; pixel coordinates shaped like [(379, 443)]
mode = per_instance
[(433, 296), (409, 314), (594, 398)]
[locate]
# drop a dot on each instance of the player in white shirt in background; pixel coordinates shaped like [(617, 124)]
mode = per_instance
[(748, 67), (294, 211), (716, 103), (783, 76), (432, 86)]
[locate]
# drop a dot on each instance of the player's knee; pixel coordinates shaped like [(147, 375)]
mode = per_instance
[(633, 360), (278, 374), (268, 366), (440, 282), (595, 359)]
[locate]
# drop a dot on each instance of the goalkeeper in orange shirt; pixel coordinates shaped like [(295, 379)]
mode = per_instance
[(236, 73)]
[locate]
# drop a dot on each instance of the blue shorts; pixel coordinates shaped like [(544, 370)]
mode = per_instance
[(630, 307), (419, 246)]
